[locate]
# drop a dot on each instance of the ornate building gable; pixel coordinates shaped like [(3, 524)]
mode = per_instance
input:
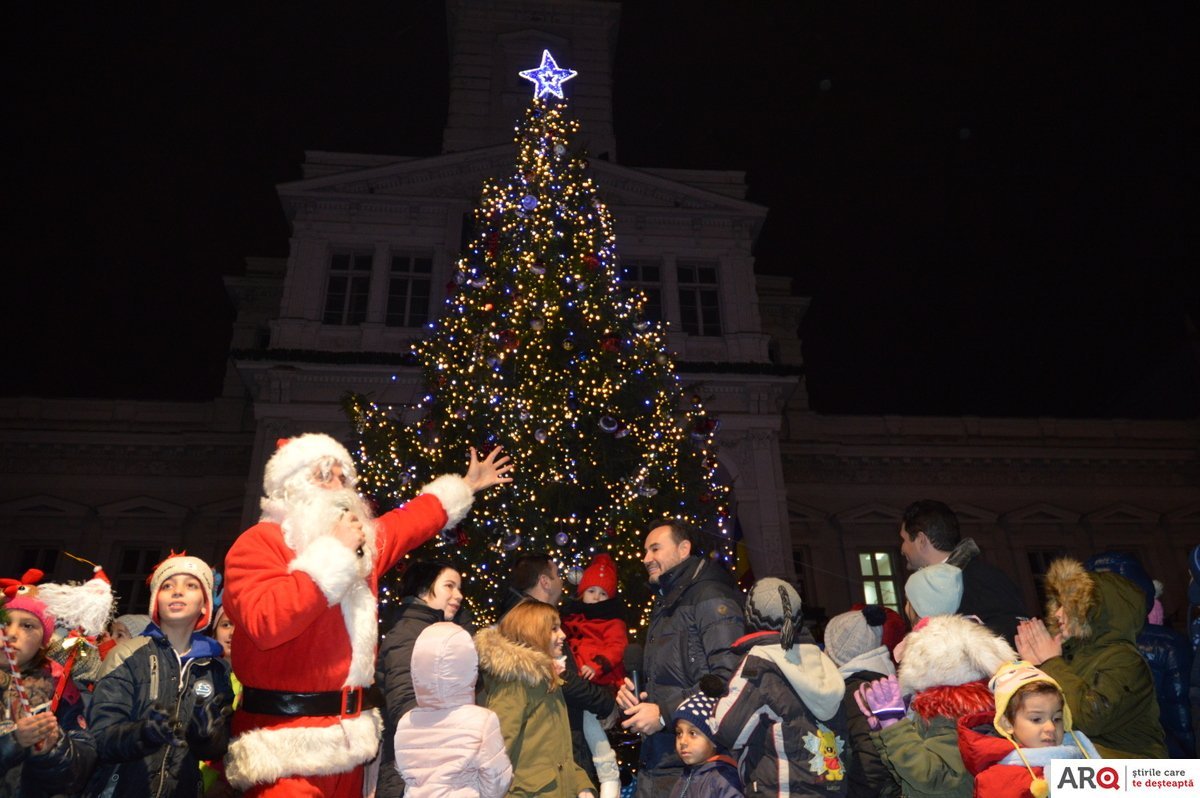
[(871, 513), (364, 183), (1040, 513), (1123, 513), (144, 507), (44, 506)]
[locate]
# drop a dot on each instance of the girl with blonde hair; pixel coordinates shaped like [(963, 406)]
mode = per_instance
[(520, 662)]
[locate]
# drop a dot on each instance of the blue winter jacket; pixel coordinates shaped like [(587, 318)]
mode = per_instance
[(137, 674)]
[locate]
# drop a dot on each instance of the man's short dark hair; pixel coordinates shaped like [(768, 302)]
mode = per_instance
[(680, 531), (420, 575), (528, 568), (936, 520)]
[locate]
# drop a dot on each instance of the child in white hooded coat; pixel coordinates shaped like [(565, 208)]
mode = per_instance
[(447, 747)]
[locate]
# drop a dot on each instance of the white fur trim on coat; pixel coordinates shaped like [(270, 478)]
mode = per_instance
[(950, 650), (454, 494), (261, 756), (337, 572), (360, 612), (331, 565)]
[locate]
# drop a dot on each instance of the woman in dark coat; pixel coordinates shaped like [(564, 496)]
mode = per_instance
[(431, 591)]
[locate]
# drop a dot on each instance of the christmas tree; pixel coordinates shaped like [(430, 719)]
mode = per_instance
[(542, 350)]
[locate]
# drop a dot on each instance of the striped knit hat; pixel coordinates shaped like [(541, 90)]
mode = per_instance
[(774, 606)]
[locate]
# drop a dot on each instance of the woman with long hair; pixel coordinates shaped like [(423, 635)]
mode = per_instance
[(519, 659)]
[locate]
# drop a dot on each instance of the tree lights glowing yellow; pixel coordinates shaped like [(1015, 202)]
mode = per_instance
[(541, 349)]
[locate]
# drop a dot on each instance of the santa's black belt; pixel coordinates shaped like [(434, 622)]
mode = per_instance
[(348, 701)]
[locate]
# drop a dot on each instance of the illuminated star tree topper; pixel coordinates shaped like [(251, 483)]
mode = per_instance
[(548, 78)]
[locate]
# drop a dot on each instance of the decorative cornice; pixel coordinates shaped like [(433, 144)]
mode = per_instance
[(128, 458), (1062, 467)]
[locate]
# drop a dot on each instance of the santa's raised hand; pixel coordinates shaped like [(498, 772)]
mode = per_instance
[(491, 470)]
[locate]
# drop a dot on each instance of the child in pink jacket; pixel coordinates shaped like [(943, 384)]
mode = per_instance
[(447, 747)]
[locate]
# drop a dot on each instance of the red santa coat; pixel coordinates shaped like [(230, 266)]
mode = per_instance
[(307, 623)]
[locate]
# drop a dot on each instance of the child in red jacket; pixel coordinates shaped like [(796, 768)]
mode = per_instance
[(596, 632), (1008, 751)]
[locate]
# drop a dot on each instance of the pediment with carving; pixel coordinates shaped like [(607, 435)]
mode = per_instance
[(461, 176)]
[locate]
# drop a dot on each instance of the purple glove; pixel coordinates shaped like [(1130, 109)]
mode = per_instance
[(881, 702)]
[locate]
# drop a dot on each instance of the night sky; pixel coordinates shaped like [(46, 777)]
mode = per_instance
[(992, 207)]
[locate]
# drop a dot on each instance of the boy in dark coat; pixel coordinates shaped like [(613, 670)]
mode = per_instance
[(162, 700), (708, 771)]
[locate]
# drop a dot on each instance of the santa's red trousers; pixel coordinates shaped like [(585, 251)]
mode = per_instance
[(339, 785)]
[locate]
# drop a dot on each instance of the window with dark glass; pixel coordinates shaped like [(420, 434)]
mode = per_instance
[(647, 276), (699, 309), (129, 583), (44, 558), (348, 287), (408, 291)]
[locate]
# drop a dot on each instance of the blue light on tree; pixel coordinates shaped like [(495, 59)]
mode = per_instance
[(548, 78)]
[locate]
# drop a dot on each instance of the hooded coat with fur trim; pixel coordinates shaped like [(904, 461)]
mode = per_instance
[(521, 686), (945, 663), (306, 622), (783, 716), (1103, 676), (447, 747)]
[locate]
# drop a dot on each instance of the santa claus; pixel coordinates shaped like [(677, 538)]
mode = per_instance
[(300, 587)]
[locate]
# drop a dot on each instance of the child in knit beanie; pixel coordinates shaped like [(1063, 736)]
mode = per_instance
[(44, 747), (708, 770), (855, 642), (163, 698), (596, 632), (1008, 750), (933, 590), (784, 707)]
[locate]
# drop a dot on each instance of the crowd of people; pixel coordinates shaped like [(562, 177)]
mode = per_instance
[(729, 692)]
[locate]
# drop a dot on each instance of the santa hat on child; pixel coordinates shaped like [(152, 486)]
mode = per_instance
[(602, 573), (177, 564), (293, 455)]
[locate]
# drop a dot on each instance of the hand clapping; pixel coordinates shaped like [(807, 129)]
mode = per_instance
[(1034, 643)]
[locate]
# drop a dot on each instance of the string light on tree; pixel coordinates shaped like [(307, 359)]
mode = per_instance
[(540, 348)]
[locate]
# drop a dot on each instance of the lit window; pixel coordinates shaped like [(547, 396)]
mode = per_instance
[(878, 572), (699, 309), (347, 289), (408, 291)]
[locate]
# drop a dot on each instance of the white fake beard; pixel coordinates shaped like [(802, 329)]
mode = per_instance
[(314, 513)]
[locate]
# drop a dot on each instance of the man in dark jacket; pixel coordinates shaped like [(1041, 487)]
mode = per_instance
[(536, 576), (929, 535), (696, 617), (423, 603)]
